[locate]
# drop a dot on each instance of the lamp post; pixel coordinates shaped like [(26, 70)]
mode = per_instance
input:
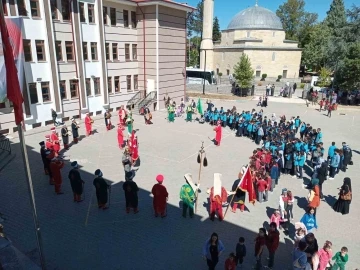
[(202, 160)]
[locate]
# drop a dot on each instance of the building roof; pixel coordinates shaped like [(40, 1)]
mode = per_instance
[(255, 18)]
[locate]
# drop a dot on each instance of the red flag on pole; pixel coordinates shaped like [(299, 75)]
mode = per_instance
[(246, 184), (12, 81)]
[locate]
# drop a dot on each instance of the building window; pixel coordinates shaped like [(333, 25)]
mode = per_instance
[(69, 50), (5, 12), (65, 10), (117, 84), (228, 72), (45, 90), (128, 82), (136, 87), (134, 51), (62, 85), (258, 74), (82, 12), (27, 50), (109, 85), (94, 54), (88, 87), (284, 76), (133, 19), (85, 51), (33, 93), (74, 93), (248, 34), (35, 9), (40, 50), (126, 18), (127, 52), (107, 51), (105, 15), (59, 56), (54, 9), (21, 8), (113, 16), (97, 86), (91, 13), (273, 56), (115, 51)]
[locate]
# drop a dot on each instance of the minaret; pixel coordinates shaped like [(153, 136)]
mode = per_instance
[(207, 42)]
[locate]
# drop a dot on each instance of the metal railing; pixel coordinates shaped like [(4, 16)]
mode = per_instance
[(135, 99), (5, 144), (148, 99)]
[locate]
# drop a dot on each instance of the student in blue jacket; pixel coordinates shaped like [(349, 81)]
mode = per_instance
[(301, 162), (331, 150), (334, 164)]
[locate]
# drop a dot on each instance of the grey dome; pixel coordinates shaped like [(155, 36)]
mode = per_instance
[(255, 18)]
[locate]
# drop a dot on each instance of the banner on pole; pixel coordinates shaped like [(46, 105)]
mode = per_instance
[(246, 184)]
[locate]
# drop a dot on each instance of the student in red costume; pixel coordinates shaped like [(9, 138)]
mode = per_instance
[(218, 132), (218, 196), (55, 141), (88, 124), (160, 197)]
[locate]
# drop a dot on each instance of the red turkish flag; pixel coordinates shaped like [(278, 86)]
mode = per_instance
[(12, 81), (246, 184)]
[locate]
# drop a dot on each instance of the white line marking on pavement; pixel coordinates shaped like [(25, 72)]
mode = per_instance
[(353, 121)]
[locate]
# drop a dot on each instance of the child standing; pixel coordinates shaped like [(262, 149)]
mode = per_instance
[(290, 203), (240, 251), (230, 263), (340, 259), (324, 255), (260, 242), (276, 217), (299, 233)]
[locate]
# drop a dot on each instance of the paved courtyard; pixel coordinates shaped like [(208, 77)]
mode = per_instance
[(79, 236)]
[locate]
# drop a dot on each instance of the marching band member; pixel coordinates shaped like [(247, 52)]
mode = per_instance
[(55, 167), (189, 112), (54, 138), (43, 157), (65, 136), (122, 115), (75, 130), (147, 116), (107, 116), (218, 196), (171, 113), (129, 123), (218, 132), (48, 143), (120, 135), (88, 124)]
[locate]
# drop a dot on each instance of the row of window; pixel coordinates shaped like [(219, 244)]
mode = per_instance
[(69, 51), (74, 88), (65, 10)]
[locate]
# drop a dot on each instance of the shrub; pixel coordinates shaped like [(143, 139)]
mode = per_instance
[(263, 77), (220, 74), (302, 85), (259, 84)]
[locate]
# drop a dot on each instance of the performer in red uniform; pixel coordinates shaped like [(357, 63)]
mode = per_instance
[(160, 197), (55, 141), (88, 124), (48, 144), (55, 167), (218, 196), (134, 150), (218, 131), (122, 115), (120, 136)]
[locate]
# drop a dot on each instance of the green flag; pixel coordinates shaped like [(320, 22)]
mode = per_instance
[(199, 106)]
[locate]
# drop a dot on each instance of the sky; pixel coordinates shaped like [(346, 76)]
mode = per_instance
[(225, 10)]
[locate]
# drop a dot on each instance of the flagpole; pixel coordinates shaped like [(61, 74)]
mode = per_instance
[(242, 178), (31, 195)]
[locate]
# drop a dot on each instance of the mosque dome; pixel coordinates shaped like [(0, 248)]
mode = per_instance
[(255, 18)]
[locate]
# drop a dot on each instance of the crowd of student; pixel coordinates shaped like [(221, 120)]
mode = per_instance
[(281, 152)]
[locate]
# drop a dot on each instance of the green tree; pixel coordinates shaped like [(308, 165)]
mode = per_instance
[(194, 57), (243, 72), (315, 51), (324, 77), (216, 30), (336, 17), (347, 76), (195, 23), (295, 19)]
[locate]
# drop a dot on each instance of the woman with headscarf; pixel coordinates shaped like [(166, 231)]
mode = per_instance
[(314, 195), (342, 205)]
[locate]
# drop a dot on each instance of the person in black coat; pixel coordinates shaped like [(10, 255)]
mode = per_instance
[(239, 197), (101, 189), (43, 157), (74, 130), (321, 175), (131, 192), (312, 246), (347, 156), (342, 205), (77, 184)]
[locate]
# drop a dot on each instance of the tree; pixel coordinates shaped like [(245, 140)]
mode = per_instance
[(348, 74), (243, 72), (195, 20), (194, 57), (295, 19), (216, 30), (315, 51), (324, 77), (336, 17)]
